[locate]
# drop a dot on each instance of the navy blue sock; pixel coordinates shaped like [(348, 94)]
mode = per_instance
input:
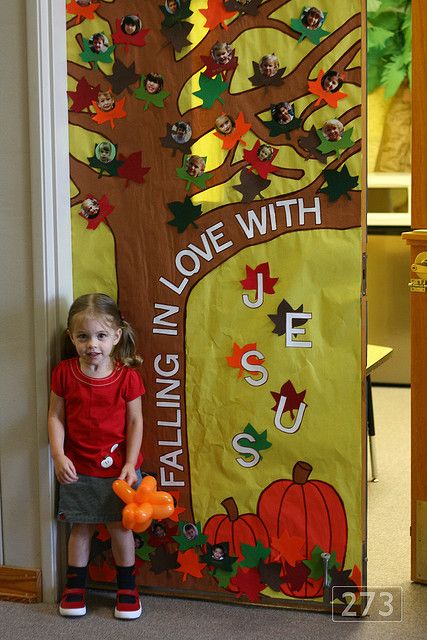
[(76, 577), (126, 577)]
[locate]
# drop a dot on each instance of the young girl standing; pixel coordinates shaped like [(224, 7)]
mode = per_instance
[(95, 434)]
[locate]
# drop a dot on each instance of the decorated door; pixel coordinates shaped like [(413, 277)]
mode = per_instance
[(216, 192)]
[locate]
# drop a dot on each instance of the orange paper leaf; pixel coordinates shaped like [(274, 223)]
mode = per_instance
[(235, 136), (289, 548), (315, 86), (190, 564), (102, 117), (235, 360), (82, 12), (216, 14)]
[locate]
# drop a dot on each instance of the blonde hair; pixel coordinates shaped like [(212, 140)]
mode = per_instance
[(99, 304)]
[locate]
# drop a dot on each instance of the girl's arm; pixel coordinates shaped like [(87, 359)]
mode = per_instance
[(64, 468), (133, 440)]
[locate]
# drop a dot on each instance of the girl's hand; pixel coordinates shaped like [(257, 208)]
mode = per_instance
[(128, 474), (65, 470)]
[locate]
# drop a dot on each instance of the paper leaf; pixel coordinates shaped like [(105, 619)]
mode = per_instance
[(216, 14), (189, 543), (105, 208), (169, 143), (102, 117), (161, 534), (224, 562), (314, 35), (131, 168), (143, 550), (289, 548), (249, 584), (122, 77), (328, 146), (102, 533), (162, 561), (293, 399), (276, 129), (251, 185), (87, 55), (177, 35), (258, 442), (310, 143), (341, 583), (214, 68), (260, 80), (235, 361), (279, 318), (210, 90), (156, 99), (199, 181), (315, 87), (182, 13), (270, 574), (105, 167), (241, 127), (316, 564), (251, 281), (136, 40), (253, 555), (83, 96), (178, 509), (250, 8), (295, 577), (263, 167), (223, 577), (339, 183), (184, 213), (87, 12), (190, 564)]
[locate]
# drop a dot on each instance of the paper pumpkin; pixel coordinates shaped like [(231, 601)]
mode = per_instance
[(143, 505), (235, 529), (307, 509)]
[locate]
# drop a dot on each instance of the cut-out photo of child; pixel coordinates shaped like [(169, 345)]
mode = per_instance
[(225, 124), (84, 3), (181, 132), (190, 531), (221, 52), (265, 152), (98, 43), (218, 552), (269, 65), (105, 151), (195, 166), (172, 6), (312, 18), (333, 130), (282, 112), (131, 25), (105, 101), (153, 83), (89, 208), (158, 530), (331, 81)]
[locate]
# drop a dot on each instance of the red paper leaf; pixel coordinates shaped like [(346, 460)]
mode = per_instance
[(216, 14), (83, 96), (315, 86), (213, 67), (249, 584), (137, 40), (293, 399), (235, 360), (104, 116), (251, 278), (131, 168), (262, 167), (296, 576)]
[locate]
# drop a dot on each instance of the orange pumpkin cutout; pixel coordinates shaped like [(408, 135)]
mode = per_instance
[(143, 505), (235, 529), (308, 509), (102, 571)]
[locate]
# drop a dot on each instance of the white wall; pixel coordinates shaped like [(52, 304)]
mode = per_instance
[(18, 436)]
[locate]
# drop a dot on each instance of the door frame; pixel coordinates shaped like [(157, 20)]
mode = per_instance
[(51, 241)]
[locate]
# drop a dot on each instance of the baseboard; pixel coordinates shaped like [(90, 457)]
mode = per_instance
[(18, 584)]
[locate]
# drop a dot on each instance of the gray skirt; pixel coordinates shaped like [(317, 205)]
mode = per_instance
[(91, 500)]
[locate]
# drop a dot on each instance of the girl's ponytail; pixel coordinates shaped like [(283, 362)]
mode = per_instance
[(125, 350)]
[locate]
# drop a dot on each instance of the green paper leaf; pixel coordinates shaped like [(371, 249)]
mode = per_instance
[(186, 543), (199, 181), (314, 35), (181, 13), (184, 213), (156, 99), (225, 563), (253, 555), (259, 442), (328, 145), (316, 563), (87, 55), (223, 577), (211, 90), (276, 129), (339, 183), (105, 167), (144, 550)]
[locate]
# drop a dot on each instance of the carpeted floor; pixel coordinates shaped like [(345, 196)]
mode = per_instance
[(174, 619)]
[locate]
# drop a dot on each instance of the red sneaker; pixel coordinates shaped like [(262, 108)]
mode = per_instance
[(128, 604), (73, 602)]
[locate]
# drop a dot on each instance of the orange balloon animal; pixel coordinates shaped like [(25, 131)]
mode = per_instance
[(143, 505)]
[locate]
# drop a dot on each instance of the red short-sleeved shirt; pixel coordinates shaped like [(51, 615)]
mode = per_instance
[(95, 416)]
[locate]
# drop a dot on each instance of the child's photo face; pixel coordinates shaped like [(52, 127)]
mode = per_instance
[(105, 101), (181, 132), (99, 43), (84, 3), (172, 6), (330, 82), (268, 66), (105, 152), (284, 114), (195, 166), (224, 125), (90, 208), (222, 53), (333, 130), (313, 18), (218, 553), (151, 86), (264, 152), (131, 25)]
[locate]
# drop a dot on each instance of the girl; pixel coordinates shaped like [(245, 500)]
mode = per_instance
[(312, 18), (225, 124), (195, 166), (269, 65), (131, 25), (331, 81), (333, 130), (95, 434), (222, 52), (153, 83), (265, 152), (105, 151)]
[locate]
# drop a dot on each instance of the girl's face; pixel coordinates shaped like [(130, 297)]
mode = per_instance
[(268, 67), (222, 54), (94, 339), (84, 3), (172, 6), (331, 82), (105, 101), (264, 153), (332, 132), (195, 167), (284, 115), (130, 29), (105, 153), (90, 207), (224, 125), (152, 87)]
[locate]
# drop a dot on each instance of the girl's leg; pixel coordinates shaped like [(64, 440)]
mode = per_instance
[(73, 596), (79, 544), (128, 604), (122, 544)]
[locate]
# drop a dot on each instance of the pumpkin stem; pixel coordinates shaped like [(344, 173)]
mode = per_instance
[(230, 506), (301, 471)]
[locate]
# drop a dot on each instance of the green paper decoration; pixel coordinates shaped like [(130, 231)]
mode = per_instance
[(156, 99), (211, 90), (223, 577), (339, 183), (314, 35), (199, 181), (87, 55), (186, 543), (259, 442), (184, 213), (327, 146), (276, 129), (105, 167), (225, 564), (143, 552), (253, 555), (316, 563)]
